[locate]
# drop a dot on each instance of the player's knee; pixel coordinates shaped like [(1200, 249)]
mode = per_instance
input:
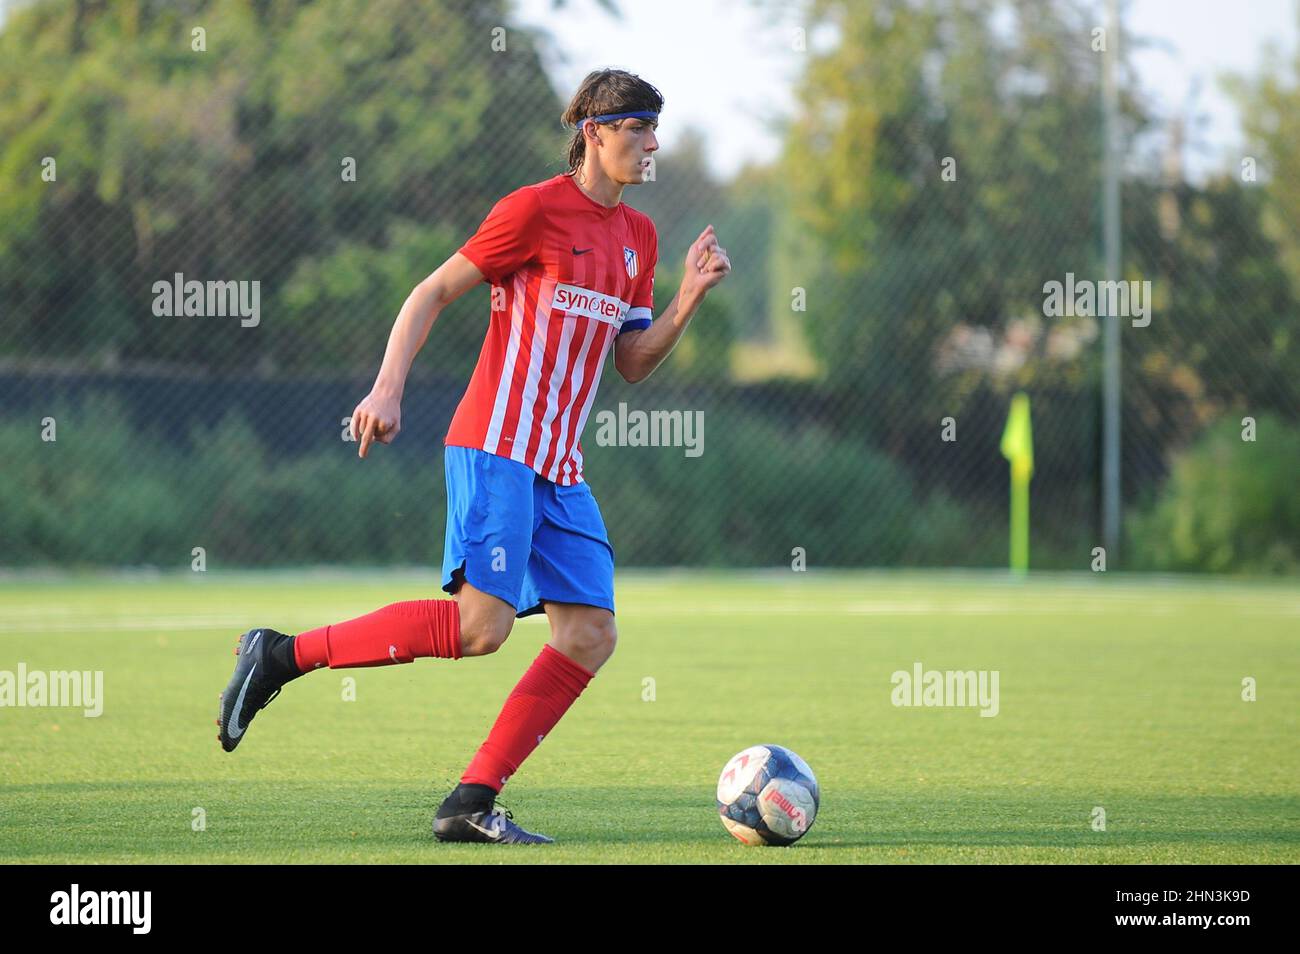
[(483, 636), (485, 621), (593, 640)]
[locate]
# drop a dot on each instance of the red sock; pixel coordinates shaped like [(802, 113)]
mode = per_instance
[(398, 633), (534, 706)]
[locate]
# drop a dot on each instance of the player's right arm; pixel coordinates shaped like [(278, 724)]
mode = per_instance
[(509, 237), (378, 416)]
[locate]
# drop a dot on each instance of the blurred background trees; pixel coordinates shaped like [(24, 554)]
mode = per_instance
[(942, 164)]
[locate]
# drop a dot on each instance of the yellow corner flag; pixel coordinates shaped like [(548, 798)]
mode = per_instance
[(1018, 448)]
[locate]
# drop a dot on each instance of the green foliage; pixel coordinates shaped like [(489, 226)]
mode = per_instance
[(843, 503), (894, 255), (923, 295), (89, 501), (704, 354), (1225, 329), (228, 164), (1270, 112), (365, 285), (106, 493), (1230, 505)]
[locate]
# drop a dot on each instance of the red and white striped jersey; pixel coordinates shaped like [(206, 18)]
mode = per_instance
[(568, 275)]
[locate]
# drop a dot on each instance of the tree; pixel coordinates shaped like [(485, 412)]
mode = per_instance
[(942, 169), (225, 156)]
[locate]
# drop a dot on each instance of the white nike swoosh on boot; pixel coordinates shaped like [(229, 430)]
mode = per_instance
[(236, 730), (493, 833)]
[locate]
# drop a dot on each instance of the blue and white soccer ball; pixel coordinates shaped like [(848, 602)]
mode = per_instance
[(767, 795)]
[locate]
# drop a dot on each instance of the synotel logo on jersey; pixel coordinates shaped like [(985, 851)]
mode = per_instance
[(103, 907), (195, 299), (576, 300), (651, 429)]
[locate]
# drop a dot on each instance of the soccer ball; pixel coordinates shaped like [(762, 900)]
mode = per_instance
[(767, 795)]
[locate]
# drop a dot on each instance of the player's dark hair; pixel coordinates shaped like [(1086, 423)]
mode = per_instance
[(601, 93)]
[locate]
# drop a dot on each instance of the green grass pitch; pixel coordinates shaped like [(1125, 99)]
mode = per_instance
[(1121, 693)]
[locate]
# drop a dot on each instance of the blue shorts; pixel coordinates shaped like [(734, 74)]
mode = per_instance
[(515, 534)]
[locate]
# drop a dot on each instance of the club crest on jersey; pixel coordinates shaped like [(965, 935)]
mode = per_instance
[(629, 261)]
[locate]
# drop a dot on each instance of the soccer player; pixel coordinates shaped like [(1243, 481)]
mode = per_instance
[(572, 275)]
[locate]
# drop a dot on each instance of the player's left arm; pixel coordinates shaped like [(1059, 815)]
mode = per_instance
[(638, 353)]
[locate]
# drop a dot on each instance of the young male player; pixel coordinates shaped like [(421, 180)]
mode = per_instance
[(572, 274)]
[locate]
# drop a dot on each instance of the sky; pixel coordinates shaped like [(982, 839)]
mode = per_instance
[(728, 68)]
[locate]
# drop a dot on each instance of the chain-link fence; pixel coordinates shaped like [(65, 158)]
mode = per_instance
[(847, 384)]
